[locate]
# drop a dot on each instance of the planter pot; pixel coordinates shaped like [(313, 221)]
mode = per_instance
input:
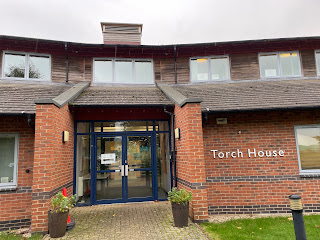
[(180, 214), (57, 223)]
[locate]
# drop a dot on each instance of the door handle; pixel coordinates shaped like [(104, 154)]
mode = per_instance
[(122, 170), (126, 170)]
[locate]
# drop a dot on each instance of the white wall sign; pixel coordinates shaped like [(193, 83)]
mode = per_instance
[(108, 158), (249, 153)]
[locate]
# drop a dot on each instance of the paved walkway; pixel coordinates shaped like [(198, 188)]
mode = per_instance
[(138, 221)]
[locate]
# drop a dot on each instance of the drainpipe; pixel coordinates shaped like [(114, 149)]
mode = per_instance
[(67, 62), (175, 64), (174, 147)]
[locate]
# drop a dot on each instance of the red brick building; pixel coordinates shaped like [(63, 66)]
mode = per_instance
[(236, 123)]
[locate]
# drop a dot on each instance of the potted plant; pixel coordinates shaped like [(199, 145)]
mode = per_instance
[(180, 206), (58, 215)]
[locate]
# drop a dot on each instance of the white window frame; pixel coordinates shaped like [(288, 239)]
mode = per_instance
[(279, 64), (209, 68), (13, 184), (315, 56), (26, 72), (133, 60), (303, 172)]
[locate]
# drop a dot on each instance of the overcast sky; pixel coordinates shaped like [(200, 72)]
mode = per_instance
[(164, 21)]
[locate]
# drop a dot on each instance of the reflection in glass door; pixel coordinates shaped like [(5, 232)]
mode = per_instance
[(108, 169), (139, 161)]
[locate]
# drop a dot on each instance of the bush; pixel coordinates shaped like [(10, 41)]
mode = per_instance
[(179, 197)]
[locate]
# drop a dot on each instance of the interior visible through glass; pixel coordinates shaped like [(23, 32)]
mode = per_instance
[(109, 157), (219, 68), (269, 65), (290, 65), (138, 158), (199, 69)]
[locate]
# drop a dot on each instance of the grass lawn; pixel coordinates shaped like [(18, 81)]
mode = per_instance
[(14, 236), (279, 228)]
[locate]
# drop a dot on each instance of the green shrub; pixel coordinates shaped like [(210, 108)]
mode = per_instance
[(179, 196), (61, 203)]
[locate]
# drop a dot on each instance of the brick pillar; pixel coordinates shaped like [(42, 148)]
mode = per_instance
[(191, 171), (53, 160)]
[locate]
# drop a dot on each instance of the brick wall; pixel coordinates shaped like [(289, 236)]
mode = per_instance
[(257, 184), (190, 158), (53, 160), (15, 205)]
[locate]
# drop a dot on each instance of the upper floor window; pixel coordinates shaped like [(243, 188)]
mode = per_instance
[(8, 160), (210, 68), (317, 52), (30, 66), (123, 71), (279, 64)]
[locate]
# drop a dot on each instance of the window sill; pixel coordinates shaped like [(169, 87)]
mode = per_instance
[(8, 188)]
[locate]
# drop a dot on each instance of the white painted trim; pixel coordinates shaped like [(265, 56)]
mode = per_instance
[(26, 73), (133, 60), (209, 68), (304, 172), (279, 64), (15, 160)]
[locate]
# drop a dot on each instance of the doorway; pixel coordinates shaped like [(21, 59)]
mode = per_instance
[(123, 161)]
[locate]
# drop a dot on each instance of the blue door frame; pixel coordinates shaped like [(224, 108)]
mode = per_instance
[(153, 169)]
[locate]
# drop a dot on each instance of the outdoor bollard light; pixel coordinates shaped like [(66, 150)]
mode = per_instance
[(297, 209)]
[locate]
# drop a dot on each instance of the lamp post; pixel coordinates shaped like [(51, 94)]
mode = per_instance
[(298, 222)]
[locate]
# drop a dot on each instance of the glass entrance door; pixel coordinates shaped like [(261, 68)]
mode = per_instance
[(124, 168)]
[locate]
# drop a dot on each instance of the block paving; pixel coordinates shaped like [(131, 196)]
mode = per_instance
[(138, 221)]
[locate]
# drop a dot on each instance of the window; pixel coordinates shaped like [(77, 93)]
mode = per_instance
[(26, 66), (8, 160), (210, 68), (282, 64), (317, 52), (308, 147), (123, 71)]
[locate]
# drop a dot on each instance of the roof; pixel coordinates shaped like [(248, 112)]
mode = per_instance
[(255, 95), (122, 96), (206, 44), (18, 98)]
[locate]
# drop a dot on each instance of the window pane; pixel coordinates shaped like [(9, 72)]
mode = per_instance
[(14, 65), (143, 72), (39, 67), (309, 147), (83, 127), (7, 145), (199, 69), (318, 62), (219, 68), (123, 71), (269, 65), (103, 71), (290, 64)]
